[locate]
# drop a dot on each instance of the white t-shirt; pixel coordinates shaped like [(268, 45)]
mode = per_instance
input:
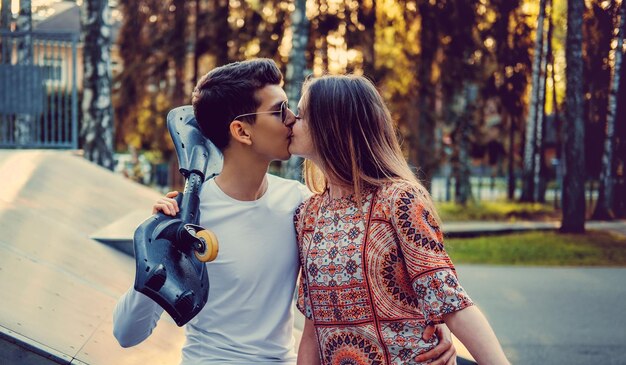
[(248, 318)]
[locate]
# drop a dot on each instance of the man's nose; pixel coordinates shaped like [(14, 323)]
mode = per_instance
[(291, 118)]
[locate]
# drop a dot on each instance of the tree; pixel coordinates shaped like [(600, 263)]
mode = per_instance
[(423, 132), (130, 93), (366, 15), (24, 122), (533, 121), (573, 214), (620, 149), (5, 14), (296, 72), (178, 44), (513, 42), (465, 127), (603, 208), (97, 128), (220, 31), (462, 57), (539, 183), (598, 31)]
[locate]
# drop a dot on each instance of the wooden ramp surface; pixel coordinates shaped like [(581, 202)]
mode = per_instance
[(58, 286)]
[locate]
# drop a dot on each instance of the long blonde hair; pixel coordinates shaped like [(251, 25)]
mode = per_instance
[(353, 133)]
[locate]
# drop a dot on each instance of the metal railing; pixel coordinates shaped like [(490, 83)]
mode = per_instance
[(38, 90)]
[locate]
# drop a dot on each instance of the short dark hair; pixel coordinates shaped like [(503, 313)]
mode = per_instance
[(228, 91)]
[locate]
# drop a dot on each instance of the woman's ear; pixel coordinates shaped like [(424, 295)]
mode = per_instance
[(240, 132)]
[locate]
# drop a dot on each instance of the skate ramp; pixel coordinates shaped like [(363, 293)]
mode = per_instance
[(58, 286)]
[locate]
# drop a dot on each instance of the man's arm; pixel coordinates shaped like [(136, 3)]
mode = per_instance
[(308, 352), (134, 317), (442, 354)]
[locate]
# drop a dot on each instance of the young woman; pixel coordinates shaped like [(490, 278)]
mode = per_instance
[(374, 271)]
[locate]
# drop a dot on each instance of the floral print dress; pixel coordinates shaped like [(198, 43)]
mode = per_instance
[(374, 276)]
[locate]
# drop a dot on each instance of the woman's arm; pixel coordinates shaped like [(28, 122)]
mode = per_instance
[(308, 352), (472, 328)]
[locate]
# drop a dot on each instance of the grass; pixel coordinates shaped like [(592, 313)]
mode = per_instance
[(595, 248), (496, 211)]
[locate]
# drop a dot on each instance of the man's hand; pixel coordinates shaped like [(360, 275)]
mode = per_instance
[(442, 354)]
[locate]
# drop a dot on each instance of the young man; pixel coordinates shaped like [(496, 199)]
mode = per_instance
[(248, 318)]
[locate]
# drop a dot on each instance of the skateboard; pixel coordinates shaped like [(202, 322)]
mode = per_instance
[(171, 252)]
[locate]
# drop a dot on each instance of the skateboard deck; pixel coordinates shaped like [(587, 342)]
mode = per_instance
[(171, 252)]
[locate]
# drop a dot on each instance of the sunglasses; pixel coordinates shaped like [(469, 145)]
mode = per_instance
[(282, 111)]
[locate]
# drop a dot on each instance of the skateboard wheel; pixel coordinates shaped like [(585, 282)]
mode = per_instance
[(211, 246)]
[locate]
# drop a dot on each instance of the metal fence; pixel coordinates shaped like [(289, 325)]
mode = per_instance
[(38, 90)]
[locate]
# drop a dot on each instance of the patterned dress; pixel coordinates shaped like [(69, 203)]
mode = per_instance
[(372, 278)]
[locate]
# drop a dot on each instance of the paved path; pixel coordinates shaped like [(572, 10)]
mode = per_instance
[(478, 228), (553, 315)]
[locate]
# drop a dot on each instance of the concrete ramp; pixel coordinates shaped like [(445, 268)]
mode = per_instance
[(57, 285)]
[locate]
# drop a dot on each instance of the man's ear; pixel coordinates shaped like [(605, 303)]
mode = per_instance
[(240, 132)]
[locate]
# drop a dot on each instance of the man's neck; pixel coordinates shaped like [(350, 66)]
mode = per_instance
[(243, 179)]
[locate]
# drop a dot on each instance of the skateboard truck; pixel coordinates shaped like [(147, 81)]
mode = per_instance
[(171, 252)]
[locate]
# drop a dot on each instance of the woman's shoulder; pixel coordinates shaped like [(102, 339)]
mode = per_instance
[(304, 216), (395, 190), (309, 204)]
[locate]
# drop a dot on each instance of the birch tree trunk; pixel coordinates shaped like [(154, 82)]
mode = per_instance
[(604, 209), (619, 190), (5, 14), (573, 219), (530, 148), (511, 156), (24, 122), (555, 110), (539, 167), (97, 128), (295, 74)]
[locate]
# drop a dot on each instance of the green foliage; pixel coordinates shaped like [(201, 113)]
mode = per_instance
[(495, 211), (422, 54), (594, 248)]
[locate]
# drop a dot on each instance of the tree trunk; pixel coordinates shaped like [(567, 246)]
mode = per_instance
[(463, 184), (605, 198), (511, 168), (367, 17), (25, 24), (296, 69), (179, 53), (196, 41), (555, 112), (220, 31), (573, 219), (620, 151), (24, 122), (539, 182), (97, 128), (5, 14), (424, 135), (532, 122)]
